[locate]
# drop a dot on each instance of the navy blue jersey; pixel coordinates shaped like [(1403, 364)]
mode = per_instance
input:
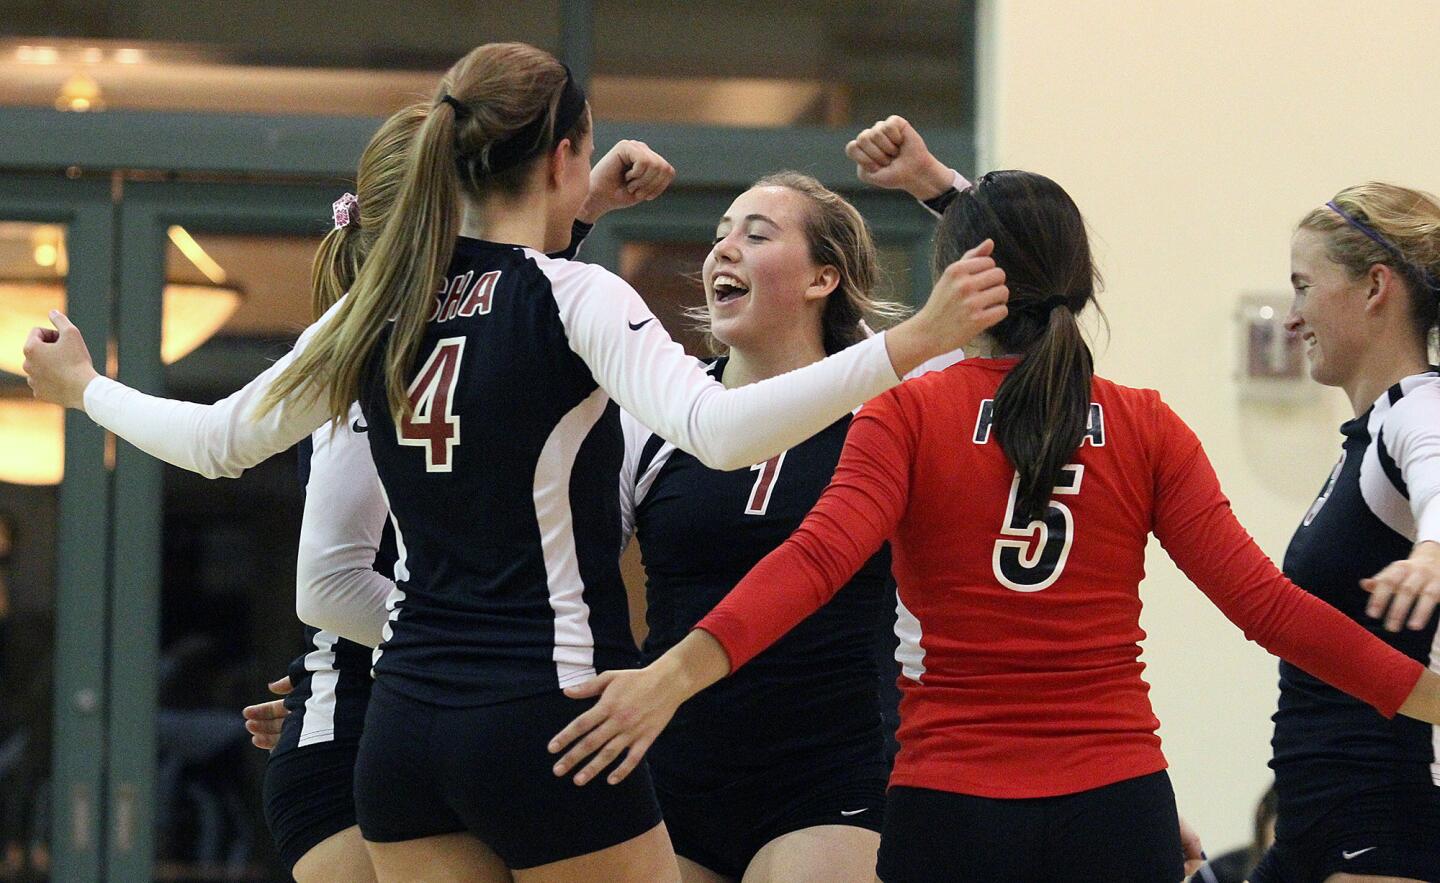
[(1327, 744), (503, 489), (330, 681), (700, 531), (503, 485)]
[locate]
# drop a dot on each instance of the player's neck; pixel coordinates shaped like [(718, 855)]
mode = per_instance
[(747, 366), (1382, 368), (519, 221)]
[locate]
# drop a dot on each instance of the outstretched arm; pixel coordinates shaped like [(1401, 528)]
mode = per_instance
[(216, 440), (1194, 522), (648, 374)]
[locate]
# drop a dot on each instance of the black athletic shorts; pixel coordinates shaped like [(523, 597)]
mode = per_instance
[(722, 829), (1389, 832), (1122, 833), (309, 796), (426, 770)]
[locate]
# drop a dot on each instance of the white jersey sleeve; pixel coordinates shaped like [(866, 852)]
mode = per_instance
[(219, 440), (648, 374), (336, 585), (1412, 438)]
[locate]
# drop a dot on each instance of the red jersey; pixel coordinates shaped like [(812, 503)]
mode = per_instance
[(1020, 639)]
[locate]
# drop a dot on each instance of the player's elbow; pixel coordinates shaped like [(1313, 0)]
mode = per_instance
[(312, 594), (724, 457)]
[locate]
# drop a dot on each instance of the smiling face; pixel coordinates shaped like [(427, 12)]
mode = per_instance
[(1329, 312), (760, 281)]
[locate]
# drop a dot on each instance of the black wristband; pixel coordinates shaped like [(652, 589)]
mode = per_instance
[(938, 204)]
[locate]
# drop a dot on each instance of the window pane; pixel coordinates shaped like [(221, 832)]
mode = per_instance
[(228, 623), (837, 63)]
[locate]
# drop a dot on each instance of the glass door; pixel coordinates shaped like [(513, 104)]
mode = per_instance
[(55, 253), (214, 285)]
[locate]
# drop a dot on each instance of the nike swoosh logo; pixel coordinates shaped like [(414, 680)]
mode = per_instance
[(1347, 854), (358, 426), (855, 812), (636, 326)]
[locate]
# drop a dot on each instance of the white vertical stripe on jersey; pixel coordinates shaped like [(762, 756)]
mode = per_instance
[(574, 652), (909, 654), (1434, 730), (397, 595), (652, 471), (319, 723), (1381, 496)]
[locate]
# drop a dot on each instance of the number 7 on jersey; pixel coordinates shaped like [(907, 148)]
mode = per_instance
[(434, 425)]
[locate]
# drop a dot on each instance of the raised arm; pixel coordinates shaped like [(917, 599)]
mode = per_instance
[(219, 440), (1194, 522), (634, 359), (856, 514), (337, 587), (891, 154)]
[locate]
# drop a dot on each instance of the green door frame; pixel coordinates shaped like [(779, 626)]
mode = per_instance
[(79, 698)]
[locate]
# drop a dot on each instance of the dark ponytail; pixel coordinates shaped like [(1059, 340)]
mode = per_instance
[(1043, 405)]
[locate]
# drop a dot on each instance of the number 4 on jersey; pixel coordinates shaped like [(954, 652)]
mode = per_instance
[(434, 425), (1036, 558)]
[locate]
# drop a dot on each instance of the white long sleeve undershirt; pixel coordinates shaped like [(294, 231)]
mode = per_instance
[(336, 586)]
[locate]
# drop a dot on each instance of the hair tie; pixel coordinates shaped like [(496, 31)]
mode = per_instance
[(461, 111), (346, 211), (529, 140), (1049, 304), (1374, 236)]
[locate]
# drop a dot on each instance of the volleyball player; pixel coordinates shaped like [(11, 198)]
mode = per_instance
[(347, 552), (509, 584), (779, 774), (310, 773), (1018, 492), (1359, 795)]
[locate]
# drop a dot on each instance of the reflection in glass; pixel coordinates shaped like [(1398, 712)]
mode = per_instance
[(33, 265), (228, 623)]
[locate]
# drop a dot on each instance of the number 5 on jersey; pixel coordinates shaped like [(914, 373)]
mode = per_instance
[(434, 425), (1035, 559)]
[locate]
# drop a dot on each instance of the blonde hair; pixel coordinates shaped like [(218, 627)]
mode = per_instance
[(502, 87), (382, 167), (838, 237), (1408, 220)]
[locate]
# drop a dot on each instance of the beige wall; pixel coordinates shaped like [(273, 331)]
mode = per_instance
[(1193, 135)]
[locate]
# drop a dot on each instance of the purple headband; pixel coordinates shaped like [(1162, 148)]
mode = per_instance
[(1374, 236), (346, 210)]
